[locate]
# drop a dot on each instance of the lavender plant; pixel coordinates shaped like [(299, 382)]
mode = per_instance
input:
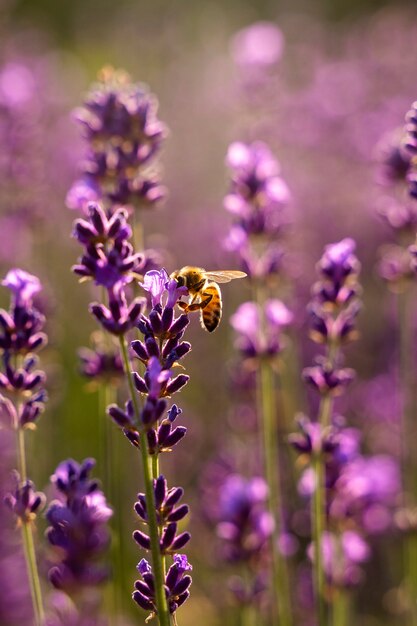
[(147, 428), (22, 401), (258, 199)]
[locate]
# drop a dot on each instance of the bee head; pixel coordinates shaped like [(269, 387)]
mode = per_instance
[(180, 280)]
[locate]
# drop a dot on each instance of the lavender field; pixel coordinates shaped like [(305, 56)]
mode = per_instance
[(208, 314)]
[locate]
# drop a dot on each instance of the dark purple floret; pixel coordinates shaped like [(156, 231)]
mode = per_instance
[(99, 228), (166, 501), (411, 129), (21, 326), (109, 267), (104, 364), (73, 479), (313, 439), (119, 317), (25, 502), (326, 378), (177, 583)]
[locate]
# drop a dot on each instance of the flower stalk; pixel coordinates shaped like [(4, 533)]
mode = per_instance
[(267, 390), (148, 473)]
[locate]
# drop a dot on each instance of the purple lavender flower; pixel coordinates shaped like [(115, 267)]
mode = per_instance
[(25, 502), (177, 583), (23, 286), (411, 129), (343, 556), (20, 336), (78, 529), (335, 303), (168, 515), (123, 135), (101, 363), (99, 228), (21, 326), (253, 341), (326, 378), (258, 194), (366, 491), (119, 317), (161, 348), (258, 46), (244, 524)]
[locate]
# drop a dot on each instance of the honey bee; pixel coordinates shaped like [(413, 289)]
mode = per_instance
[(205, 293)]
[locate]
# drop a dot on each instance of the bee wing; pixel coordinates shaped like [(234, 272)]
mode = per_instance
[(224, 276)]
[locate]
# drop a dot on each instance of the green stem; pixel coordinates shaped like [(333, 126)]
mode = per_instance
[(110, 464), (158, 571), (35, 586), (408, 433), (267, 400), (248, 615), (28, 544), (318, 504), (341, 608), (318, 524), (155, 466), (21, 453)]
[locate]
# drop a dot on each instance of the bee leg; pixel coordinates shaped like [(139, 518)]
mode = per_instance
[(200, 305), (194, 306)]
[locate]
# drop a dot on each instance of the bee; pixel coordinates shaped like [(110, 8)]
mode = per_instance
[(205, 293)]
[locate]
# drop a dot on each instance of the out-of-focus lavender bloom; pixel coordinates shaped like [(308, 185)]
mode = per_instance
[(78, 529), (258, 194), (259, 338), (258, 199), (367, 491), (343, 556), (411, 129), (334, 304), (326, 378), (123, 135), (64, 612), (339, 268), (393, 160), (396, 266), (312, 438), (101, 362), (25, 502), (177, 583), (259, 45), (244, 523)]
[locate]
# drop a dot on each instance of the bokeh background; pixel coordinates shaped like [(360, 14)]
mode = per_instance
[(346, 77)]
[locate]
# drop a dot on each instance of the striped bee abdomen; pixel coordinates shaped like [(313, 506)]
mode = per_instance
[(211, 314)]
